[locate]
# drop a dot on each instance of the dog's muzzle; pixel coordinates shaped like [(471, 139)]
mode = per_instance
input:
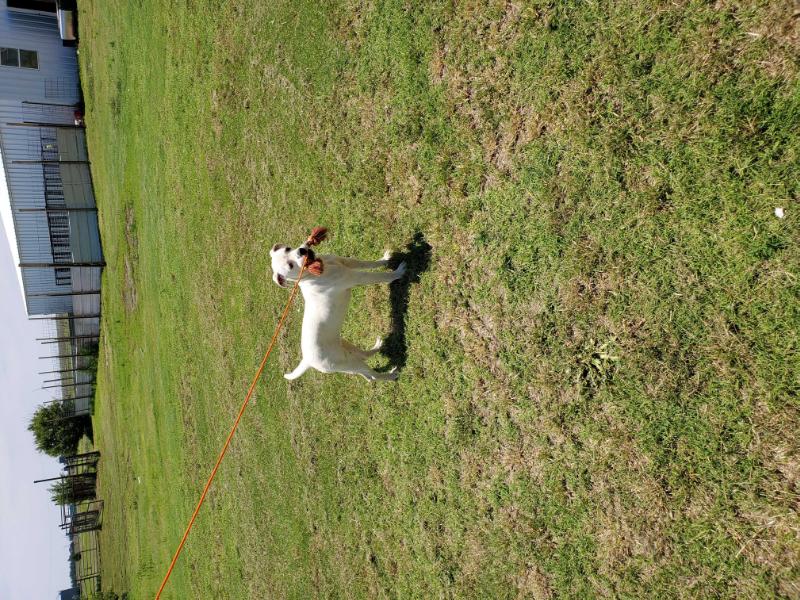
[(309, 253)]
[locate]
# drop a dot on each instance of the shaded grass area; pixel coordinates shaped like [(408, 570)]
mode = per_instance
[(600, 348)]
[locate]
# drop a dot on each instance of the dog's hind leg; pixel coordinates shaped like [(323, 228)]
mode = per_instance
[(299, 370), (372, 375), (362, 353)]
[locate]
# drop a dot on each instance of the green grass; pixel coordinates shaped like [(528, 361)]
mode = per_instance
[(600, 391)]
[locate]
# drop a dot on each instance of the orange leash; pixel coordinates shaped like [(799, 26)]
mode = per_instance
[(233, 430)]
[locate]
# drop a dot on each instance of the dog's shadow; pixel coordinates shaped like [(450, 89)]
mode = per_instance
[(417, 257)]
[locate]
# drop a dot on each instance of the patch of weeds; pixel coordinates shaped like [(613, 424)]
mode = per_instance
[(595, 364), (116, 101), (769, 245)]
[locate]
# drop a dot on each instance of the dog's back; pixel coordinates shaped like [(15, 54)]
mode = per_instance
[(326, 302)]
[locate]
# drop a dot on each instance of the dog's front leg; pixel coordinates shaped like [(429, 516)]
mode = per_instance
[(299, 370), (370, 277), (355, 263)]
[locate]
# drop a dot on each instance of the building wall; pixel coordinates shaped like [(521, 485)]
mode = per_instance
[(46, 95), (56, 79), (27, 191)]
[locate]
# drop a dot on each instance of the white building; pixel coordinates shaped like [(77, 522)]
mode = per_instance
[(46, 167), (46, 163)]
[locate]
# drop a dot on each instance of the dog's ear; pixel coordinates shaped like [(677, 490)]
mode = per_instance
[(274, 249), (315, 267)]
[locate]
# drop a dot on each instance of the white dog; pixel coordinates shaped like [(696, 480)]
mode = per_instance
[(326, 287)]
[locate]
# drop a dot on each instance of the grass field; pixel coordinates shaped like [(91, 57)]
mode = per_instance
[(599, 340)]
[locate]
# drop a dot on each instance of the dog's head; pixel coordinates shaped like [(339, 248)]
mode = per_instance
[(287, 262)]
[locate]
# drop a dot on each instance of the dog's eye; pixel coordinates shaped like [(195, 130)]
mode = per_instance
[(286, 249), (291, 265)]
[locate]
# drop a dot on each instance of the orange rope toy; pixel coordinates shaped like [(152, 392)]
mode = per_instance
[(315, 267), (317, 235)]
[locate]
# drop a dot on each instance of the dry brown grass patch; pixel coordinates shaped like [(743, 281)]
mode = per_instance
[(771, 535), (533, 584)]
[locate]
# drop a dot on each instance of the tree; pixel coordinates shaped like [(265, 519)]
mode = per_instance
[(60, 493), (74, 489), (56, 430)]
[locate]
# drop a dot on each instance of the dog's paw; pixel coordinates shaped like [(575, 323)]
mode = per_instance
[(387, 255), (400, 270), (393, 374)]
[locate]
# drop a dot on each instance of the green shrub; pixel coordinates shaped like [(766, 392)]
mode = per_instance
[(56, 430)]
